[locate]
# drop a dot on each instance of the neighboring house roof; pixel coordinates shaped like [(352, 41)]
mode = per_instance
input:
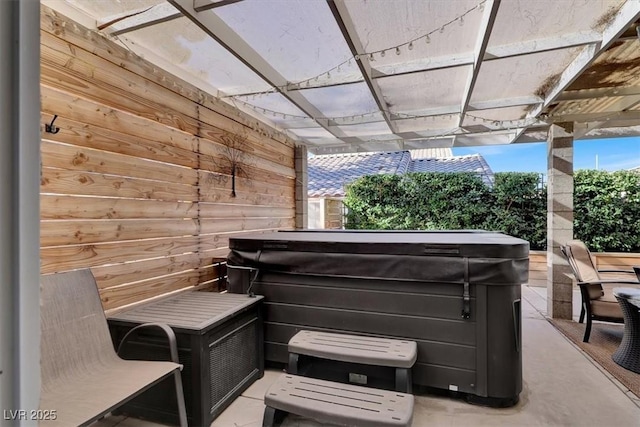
[(471, 163), (430, 153), (329, 174)]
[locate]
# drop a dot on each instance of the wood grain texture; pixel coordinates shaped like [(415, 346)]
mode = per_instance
[(63, 258), (73, 207), (127, 294), (73, 232), (135, 184), (59, 181), (175, 148), (118, 274), (71, 157)]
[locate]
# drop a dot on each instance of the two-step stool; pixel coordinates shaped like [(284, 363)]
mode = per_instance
[(345, 404)]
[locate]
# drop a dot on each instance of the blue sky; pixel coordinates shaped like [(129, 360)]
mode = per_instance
[(613, 154)]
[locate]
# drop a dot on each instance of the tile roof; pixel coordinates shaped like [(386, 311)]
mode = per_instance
[(471, 163), (328, 174)]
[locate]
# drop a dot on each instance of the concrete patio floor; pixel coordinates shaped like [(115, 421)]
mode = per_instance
[(562, 387)]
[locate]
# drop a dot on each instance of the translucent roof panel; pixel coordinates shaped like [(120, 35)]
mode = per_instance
[(525, 20), (316, 132), (182, 43), (272, 104), (104, 11), (521, 75), (299, 38), (343, 100), (508, 113), (436, 88), (437, 123), (384, 25), (367, 129)]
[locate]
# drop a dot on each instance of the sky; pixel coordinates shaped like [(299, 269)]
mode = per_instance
[(612, 154)]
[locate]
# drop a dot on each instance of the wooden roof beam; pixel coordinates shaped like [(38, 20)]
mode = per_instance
[(347, 27), (486, 25)]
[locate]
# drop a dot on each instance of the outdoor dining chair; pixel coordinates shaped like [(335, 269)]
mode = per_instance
[(598, 301)]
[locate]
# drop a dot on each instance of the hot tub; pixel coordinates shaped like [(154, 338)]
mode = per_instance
[(456, 293)]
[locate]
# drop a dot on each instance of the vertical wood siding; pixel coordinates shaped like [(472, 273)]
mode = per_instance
[(131, 185)]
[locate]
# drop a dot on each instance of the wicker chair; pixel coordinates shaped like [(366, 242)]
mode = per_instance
[(598, 301), (83, 378)]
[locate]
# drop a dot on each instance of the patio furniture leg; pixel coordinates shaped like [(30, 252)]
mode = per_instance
[(581, 314), (293, 363), (403, 380), (587, 331), (182, 410), (272, 416)]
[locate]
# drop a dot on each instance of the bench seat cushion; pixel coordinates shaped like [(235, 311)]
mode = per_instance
[(342, 404), (79, 397), (355, 349)]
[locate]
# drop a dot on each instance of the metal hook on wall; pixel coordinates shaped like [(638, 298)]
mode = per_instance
[(50, 127)]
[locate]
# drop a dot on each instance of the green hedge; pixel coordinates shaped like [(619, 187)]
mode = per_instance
[(607, 206)]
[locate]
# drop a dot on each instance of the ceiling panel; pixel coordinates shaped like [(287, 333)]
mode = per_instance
[(383, 25), (412, 92), (344, 100), (524, 20), (103, 11), (183, 44), (300, 38), (520, 76)]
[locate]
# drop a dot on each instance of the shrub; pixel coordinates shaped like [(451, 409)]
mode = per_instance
[(606, 206)]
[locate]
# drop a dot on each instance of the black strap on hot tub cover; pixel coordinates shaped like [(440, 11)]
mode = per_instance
[(466, 297)]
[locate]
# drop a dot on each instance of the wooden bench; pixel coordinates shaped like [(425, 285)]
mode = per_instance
[(394, 353), (342, 404), (83, 378)]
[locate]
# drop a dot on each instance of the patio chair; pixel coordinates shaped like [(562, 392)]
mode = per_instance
[(598, 301), (83, 378)]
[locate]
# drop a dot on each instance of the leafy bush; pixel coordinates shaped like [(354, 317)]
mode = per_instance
[(607, 206), (519, 207), (607, 210), (417, 201)]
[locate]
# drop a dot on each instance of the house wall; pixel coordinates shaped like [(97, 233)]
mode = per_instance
[(136, 184), (325, 213)]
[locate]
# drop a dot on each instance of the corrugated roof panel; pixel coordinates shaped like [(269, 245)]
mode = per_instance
[(619, 66)]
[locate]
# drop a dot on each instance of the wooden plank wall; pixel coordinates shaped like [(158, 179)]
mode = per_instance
[(132, 185)]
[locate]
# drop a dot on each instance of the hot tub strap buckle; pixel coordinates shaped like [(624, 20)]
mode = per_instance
[(466, 302), (466, 297)]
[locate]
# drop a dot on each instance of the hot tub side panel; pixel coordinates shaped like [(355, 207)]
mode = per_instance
[(429, 313)]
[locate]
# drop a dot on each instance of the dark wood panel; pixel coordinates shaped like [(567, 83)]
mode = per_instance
[(424, 328)]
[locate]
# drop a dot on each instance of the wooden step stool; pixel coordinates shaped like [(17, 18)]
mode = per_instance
[(342, 404), (399, 354)]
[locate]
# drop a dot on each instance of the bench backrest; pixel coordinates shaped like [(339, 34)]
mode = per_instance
[(75, 336)]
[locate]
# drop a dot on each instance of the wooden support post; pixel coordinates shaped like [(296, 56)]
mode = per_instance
[(302, 179), (559, 219)]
